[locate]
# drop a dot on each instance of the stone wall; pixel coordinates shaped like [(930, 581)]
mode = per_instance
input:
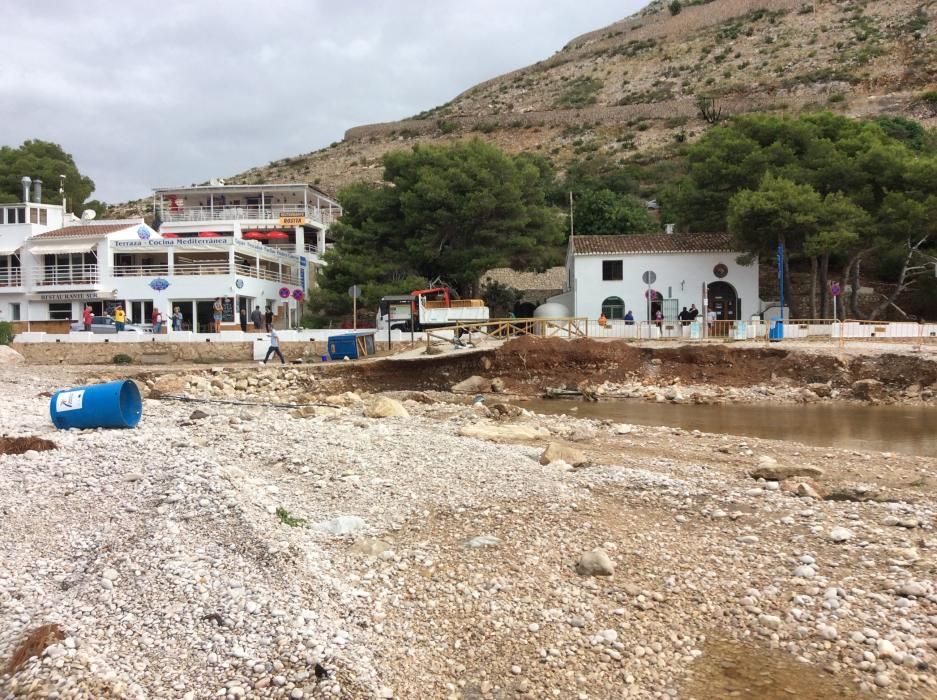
[(152, 353)]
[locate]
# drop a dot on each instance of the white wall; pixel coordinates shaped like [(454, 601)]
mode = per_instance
[(683, 274)]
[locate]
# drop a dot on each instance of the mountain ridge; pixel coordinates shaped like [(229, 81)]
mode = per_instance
[(630, 90)]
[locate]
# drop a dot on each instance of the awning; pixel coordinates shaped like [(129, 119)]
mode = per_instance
[(72, 247), (9, 248)]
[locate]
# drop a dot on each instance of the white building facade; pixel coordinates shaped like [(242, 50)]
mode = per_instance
[(611, 275), (249, 245)]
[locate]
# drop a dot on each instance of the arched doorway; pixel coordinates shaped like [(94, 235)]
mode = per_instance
[(613, 308), (724, 300)]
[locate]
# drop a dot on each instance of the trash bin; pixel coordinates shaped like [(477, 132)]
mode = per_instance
[(776, 332), (111, 405)]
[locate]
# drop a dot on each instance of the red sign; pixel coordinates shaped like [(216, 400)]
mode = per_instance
[(284, 292), (835, 289)]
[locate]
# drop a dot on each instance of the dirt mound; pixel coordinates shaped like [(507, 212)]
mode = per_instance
[(528, 365), (19, 445), (37, 642)]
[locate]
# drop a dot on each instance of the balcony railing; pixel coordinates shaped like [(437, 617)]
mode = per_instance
[(220, 267), (11, 278), (140, 270), (268, 213), (65, 275), (267, 274)]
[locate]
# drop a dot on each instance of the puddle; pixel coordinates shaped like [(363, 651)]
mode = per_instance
[(733, 670), (905, 429)]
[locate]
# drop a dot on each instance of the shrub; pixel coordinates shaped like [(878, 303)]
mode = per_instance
[(122, 359), (6, 332), (929, 97), (284, 516), (580, 92), (446, 127), (675, 7)]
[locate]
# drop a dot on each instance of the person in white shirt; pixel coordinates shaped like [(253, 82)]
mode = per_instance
[(274, 347)]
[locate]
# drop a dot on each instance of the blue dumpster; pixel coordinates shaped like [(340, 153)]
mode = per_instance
[(354, 345), (111, 405), (776, 331)]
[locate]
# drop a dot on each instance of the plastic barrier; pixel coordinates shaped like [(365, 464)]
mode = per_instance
[(111, 405)]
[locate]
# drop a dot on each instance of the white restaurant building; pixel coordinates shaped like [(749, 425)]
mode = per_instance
[(252, 245)]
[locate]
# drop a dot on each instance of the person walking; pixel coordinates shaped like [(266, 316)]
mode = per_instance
[(217, 310), (120, 318), (693, 312), (257, 318), (242, 316), (711, 317), (274, 347), (86, 317), (268, 320), (659, 319), (176, 319)]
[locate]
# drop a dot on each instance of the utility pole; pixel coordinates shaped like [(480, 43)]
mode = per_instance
[(570, 214)]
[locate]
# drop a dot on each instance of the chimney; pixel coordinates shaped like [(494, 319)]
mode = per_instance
[(668, 228), (37, 191), (26, 180)]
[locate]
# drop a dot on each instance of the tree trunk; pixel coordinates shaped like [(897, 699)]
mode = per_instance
[(824, 284), (854, 288), (813, 287), (903, 284)]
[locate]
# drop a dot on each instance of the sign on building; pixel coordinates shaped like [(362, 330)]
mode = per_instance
[(290, 219)]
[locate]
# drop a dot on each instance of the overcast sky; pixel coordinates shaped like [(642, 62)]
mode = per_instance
[(147, 94)]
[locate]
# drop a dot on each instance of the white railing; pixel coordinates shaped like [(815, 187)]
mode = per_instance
[(60, 275), (266, 274), (208, 267), (140, 270), (267, 213), (11, 278)]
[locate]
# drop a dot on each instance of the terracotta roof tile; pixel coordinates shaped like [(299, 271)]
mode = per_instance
[(82, 231), (653, 243)]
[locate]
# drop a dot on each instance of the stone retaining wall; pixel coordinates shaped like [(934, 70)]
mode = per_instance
[(152, 353)]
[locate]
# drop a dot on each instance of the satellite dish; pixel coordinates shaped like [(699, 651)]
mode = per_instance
[(88, 214), (216, 182)]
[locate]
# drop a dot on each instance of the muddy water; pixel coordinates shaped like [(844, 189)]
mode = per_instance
[(733, 670), (906, 429)]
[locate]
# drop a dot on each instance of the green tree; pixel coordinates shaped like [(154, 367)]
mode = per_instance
[(449, 211), (500, 298), (605, 212), (778, 213), (737, 172), (46, 161)]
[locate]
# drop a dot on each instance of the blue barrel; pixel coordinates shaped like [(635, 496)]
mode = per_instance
[(776, 331), (111, 405)]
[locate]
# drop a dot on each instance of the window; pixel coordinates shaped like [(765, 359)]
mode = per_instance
[(43, 217), (15, 312), (61, 311), (613, 308), (612, 270), (33, 215)]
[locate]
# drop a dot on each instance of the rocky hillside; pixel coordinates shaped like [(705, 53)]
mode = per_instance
[(632, 89)]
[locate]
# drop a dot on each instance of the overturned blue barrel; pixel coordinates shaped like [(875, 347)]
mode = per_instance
[(111, 405)]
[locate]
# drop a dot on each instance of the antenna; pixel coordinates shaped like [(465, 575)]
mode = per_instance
[(62, 191)]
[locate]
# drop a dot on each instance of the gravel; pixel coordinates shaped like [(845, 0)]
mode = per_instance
[(262, 552)]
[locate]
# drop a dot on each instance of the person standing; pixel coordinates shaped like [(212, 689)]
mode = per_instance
[(86, 317), (659, 319), (694, 312), (711, 317), (156, 320), (629, 318), (217, 310), (120, 318), (176, 319), (257, 318), (274, 347), (268, 319)]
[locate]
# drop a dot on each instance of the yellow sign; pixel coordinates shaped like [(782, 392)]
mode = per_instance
[(292, 219)]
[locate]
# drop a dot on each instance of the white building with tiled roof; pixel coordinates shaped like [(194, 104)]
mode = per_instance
[(611, 275)]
